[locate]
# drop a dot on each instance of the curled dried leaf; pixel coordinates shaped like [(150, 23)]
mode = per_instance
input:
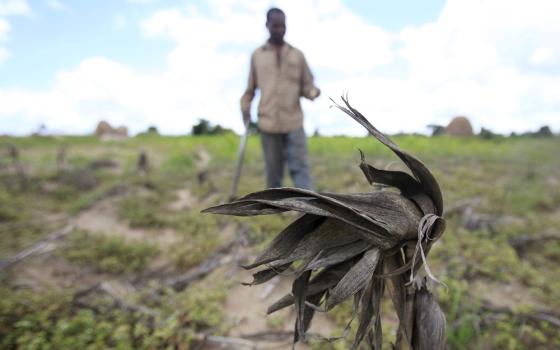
[(356, 245)]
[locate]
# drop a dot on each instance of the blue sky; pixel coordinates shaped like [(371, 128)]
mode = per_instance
[(68, 64), (51, 39)]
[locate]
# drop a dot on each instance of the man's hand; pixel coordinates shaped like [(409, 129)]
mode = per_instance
[(314, 93)]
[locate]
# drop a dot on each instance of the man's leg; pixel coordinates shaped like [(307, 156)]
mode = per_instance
[(273, 152), (297, 159)]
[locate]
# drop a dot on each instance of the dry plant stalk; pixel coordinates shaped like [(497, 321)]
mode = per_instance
[(355, 245)]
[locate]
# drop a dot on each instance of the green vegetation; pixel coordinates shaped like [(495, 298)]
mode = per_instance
[(108, 253), (141, 212), (199, 238), (15, 219), (514, 184), (49, 320)]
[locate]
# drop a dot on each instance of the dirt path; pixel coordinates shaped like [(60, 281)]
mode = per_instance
[(102, 218), (51, 271), (247, 305), (184, 200), (504, 294)]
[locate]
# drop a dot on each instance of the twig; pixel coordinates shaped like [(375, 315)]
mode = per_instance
[(213, 262), (228, 341), (269, 335), (123, 304), (80, 293), (522, 242), (538, 315), (43, 246), (108, 289)]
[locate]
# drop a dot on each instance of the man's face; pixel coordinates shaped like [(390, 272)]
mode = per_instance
[(276, 27)]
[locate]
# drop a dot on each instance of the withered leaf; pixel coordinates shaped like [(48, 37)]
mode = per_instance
[(267, 274), (356, 245), (299, 290), (288, 239), (429, 322), (337, 254), (419, 170), (320, 283), (357, 277)]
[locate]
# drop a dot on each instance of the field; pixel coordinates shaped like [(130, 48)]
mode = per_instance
[(123, 259)]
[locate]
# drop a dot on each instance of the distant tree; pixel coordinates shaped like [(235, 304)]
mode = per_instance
[(487, 134), (205, 128), (544, 131), (150, 131), (218, 129), (202, 128), (437, 129)]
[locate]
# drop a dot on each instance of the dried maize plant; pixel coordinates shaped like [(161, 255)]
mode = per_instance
[(354, 245)]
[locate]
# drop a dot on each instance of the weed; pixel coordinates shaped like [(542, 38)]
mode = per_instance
[(141, 211), (108, 254)]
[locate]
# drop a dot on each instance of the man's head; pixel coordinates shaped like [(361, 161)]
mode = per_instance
[(276, 25)]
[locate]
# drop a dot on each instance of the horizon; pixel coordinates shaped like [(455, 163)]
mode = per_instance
[(44, 132)]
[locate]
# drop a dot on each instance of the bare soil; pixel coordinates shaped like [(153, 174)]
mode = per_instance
[(102, 218), (247, 305)]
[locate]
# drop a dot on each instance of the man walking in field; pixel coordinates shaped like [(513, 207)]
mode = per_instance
[(281, 73)]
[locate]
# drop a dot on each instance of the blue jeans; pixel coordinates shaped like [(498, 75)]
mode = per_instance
[(290, 148)]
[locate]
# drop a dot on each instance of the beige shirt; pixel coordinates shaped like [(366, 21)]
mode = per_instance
[(281, 79)]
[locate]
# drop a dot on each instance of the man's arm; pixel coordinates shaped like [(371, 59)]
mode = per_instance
[(308, 89), (249, 93)]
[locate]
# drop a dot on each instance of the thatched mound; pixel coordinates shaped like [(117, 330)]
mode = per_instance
[(105, 130), (459, 126)]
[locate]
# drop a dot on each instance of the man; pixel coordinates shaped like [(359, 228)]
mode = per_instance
[(282, 75)]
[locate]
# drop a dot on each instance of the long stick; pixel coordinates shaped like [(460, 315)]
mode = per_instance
[(240, 157), (43, 246)]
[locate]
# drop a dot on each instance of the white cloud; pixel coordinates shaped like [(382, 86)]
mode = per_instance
[(543, 55), (493, 61), (14, 7), (9, 8), (56, 5), (4, 30), (476, 59)]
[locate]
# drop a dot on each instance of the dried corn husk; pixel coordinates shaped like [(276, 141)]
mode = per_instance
[(354, 246)]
